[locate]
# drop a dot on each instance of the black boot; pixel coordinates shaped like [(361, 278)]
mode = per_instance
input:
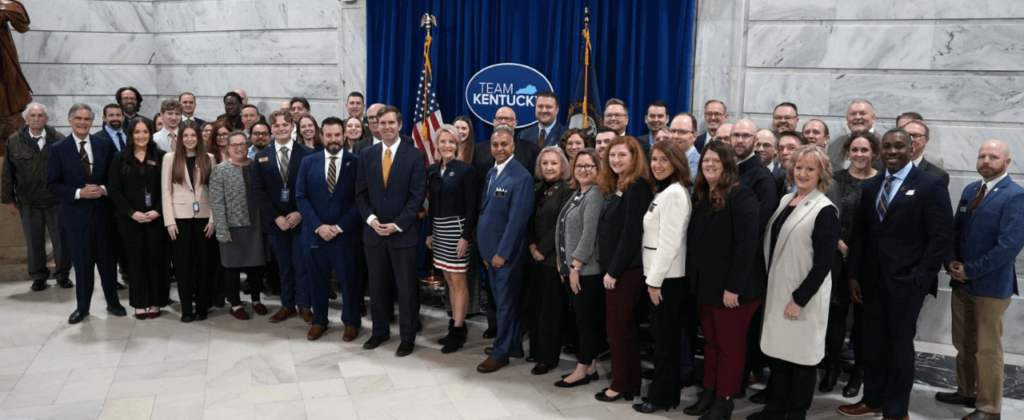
[(721, 410), (852, 387), (444, 340), (828, 381), (703, 404), (456, 338)]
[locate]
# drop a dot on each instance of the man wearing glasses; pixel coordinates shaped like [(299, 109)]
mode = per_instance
[(919, 137), (715, 114), (785, 118), (260, 138), (684, 131)]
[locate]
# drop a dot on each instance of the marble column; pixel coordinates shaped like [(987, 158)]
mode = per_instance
[(352, 45)]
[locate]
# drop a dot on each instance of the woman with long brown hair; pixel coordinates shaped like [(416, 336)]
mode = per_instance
[(625, 182), (309, 133), (353, 133), (219, 140), (722, 240), (467, 139)]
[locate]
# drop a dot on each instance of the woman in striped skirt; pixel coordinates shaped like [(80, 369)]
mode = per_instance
[(453, 212)]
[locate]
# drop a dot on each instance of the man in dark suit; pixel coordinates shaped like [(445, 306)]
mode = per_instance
[(371, 131), (548, 131), (188, 105), (715, 114), (919, 134), (112, 128), (76, 171), (130, 101), (902, 236), (505, 209), (325, 192), (391, 184), (656, 118), (273, 184), (988, 234)]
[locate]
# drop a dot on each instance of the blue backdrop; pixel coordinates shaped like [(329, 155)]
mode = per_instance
[(643, 50)]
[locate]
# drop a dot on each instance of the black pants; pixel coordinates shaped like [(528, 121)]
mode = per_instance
[(233, 278), (190, 254), (792, 388), (590, 317), (756, 360), (857, 335), (145, 246), (553, 307), (666, 320), (214, 271), (835, 333)]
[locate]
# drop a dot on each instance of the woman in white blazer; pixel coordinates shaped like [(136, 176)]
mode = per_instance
[(186, 209), (799, 247), (664, 256)]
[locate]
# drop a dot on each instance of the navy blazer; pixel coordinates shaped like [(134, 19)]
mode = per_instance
[(699, 143), (102, 133), (319, 207), (988, 239), (505, 209), (267, 185), (554, 135), (453, 193), (65, 175), (907, 247), (400, 201)]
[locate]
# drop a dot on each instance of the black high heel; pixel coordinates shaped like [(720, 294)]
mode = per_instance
[(648, 407), (703, 403), (603, 397)]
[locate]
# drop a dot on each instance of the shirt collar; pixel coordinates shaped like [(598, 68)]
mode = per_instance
[(290, 145), (992, 184), (501, 166), (902, 173), (393, 148), (79, 140), (917, 162), (112, 132), (328, 156), (546, 128)]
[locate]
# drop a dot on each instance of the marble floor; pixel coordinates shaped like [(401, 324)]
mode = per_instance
[(120, 368)]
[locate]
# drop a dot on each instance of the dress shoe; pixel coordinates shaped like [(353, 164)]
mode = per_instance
[(592, 377), (118, 311), (283, 314), (218, 302), (490, 333), (201, 315), (374, 342), (315, 332), (981, 415), (404, 349), (38, 285), (490, 365), (584, 381), (153, 315), (852, 387), (186, 318), (306, 315), (259, 308), (603, 396), (141, 316), (350, 333), (906, 417), (859, 410), (540, 369), (648, 407), (77, 317), (121, 286), (239, 313), (829, 379), (955, 398), (65, 284)]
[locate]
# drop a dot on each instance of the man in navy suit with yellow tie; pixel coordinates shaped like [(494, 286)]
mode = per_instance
[(273, 182), (902, 235), (76, 171), (391, 183), (325, 192), (505, 208)]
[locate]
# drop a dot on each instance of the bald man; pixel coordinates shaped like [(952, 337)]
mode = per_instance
[(988, 233)]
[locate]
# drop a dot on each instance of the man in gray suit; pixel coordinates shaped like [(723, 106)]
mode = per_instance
[(860, 115)]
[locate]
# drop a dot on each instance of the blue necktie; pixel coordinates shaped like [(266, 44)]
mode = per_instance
[(883, 201)]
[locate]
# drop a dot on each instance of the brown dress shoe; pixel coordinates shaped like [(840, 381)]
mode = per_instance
[(859, 410), (306, 315), (981, 415), (282, 315), (490, 365), (259, 308), (315, 332), (350, 333), (239, 314)]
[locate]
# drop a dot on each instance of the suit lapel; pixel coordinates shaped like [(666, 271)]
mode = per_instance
[(272, 160), (98, 154), (990, 195), (907, 185), (294, 161), (489, 190)]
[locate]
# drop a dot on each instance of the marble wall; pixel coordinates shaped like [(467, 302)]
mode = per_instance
[(959, 64), (84, 50)]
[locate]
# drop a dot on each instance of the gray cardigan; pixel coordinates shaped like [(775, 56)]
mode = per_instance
[(230, 193), (576, 232)]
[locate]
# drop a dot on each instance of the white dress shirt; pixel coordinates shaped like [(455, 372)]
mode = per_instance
[(394, 150), (501, 166), (162, 139)]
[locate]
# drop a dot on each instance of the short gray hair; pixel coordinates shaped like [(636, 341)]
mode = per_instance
[(450, 129), (34, 105), (504, 128), (78, 106), (566, 173), (861, 101)]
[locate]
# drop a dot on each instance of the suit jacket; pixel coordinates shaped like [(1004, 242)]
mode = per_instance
[(548, 201), (177, 199), (267, 185), (755, 175), (700, 142), (102, 133), (319, 206), (554, 135), (454, 193), (400, 201), (199, 121), (362, 144), (903, 252), (65, 175), (526, 153), (128, 190), (720, 246), (934, 170), (505, 209), (621, 229), (988, 239), (664, 241)]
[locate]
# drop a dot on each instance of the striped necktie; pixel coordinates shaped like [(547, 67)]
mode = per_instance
[(332, 175), (883, 201)]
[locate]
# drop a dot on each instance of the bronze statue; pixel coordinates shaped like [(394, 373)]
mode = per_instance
[(15, 93)]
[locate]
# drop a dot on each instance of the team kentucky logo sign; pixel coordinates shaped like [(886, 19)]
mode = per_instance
[(507, 84)]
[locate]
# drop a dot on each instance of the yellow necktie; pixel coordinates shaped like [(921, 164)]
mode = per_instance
[(386, 165)]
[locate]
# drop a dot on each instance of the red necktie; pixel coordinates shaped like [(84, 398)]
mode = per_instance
[(85, 158), (981, 196)]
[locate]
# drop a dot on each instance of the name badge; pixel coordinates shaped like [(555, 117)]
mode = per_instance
[(149, 199), (963, 209), (151, 162), (651, 208), (284, 195), (263, 159), (500, 192), (195, 207)]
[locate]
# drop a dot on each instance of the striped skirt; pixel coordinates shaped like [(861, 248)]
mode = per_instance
[(447, 232)]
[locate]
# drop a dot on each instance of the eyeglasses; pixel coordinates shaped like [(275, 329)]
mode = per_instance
[(615, 116), (585, 167), (784, 117), (918, 136), (741, 135), (237, 146), (714, 114), (682, 132), (222, 135), (504, 119)]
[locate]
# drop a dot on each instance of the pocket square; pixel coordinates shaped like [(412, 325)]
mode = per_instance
[(911, 192)]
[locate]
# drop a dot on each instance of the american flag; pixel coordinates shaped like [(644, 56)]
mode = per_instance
[(427, 118)]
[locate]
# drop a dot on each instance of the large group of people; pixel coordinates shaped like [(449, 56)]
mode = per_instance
[(759, 241)]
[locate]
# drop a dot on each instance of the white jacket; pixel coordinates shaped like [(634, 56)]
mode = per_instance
[(664, 242)]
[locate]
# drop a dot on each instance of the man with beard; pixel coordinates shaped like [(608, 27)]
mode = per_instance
[(715, 114), (130, 101), (785, 118), (260, 138), (325, 194), (113, 129)]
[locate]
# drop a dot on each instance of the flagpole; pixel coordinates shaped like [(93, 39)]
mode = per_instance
[(427, 20), (586, 63)]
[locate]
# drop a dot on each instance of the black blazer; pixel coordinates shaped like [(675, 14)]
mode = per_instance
[(548, 203), (904, 252), (454, 193), (720, 246), (621, 230), (700, 142), (400, 201), (267, 186), (362, 144), (128, 190)]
